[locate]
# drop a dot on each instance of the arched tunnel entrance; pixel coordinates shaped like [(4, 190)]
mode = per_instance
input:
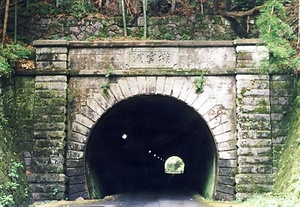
[(128, 147)]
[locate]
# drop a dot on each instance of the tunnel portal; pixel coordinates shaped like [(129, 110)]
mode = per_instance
[(128, 147)]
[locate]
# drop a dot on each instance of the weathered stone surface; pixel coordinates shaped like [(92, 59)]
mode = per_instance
[(254, 178), (226, 180), (224, 196), (228, 189), (243, 112), (46, 178)]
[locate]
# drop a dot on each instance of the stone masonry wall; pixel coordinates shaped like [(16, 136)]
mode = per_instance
[(209, 27), (282, 87), (254, 129)]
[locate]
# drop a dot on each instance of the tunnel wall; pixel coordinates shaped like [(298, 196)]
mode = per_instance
[(77, 82)]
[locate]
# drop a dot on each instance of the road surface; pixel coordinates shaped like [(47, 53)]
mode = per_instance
[(172, 199)]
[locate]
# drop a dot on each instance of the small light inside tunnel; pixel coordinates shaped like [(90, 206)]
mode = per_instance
[(154, 155), (149, 151), (124, 136)]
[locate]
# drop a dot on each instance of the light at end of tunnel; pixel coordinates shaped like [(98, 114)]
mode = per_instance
[(124, 136), (149, 151), (154, 155)]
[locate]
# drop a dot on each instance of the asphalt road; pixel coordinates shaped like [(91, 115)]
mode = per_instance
[(173, 199)]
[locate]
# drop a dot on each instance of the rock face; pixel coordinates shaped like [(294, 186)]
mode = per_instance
[(168, 28), (234, 124)]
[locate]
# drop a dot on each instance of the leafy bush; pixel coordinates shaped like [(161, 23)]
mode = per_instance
[(10, 55), (277, 35), (75, 8)]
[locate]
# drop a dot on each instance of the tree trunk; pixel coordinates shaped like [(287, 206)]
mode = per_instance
[(16, 21), (145, 17), (5, 21), (173, 6), (298, 43)]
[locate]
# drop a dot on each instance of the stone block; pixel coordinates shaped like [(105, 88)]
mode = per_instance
[(48, 168), (46, 178), (78, 146), (227, 136), (75, 171), (225, 180), (51, 50), (258, 143), (49, 134), (48, 196), (223, 128), (47, 126), (228, 189), (244, 160), (48, 151), (251, 78), (75, 163), (54, 78), (255, 168), (88, 112), (76, 127), (253, 188), (78, 137), (232, 154), (51, 118), (75, 188), (257, 152), (56, 86), (47, 188), (254, 179), (95, 106), (51, 57), (226, 163), (54, 159), (50, 64), (79, 179), (71, 154), (228, 145), (230, 172), (83, 120), (224, 196)]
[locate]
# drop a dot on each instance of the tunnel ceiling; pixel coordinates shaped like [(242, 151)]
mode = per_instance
[(130, 143)]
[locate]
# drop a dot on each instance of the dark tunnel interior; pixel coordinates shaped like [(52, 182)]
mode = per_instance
[(130, 143)]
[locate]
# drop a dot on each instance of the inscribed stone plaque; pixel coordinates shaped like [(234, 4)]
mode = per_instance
[(157, 58)]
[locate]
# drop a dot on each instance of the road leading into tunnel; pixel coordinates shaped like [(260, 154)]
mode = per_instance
[(148, 200)]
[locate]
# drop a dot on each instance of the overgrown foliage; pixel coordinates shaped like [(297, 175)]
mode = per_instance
[(13, 182), (278, 36), (10, 55)]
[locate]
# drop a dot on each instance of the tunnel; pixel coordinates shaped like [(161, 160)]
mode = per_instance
[(129, 145)]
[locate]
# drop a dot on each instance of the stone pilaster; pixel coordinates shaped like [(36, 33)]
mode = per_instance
[(254, 135), (47, 173), (281, 98)]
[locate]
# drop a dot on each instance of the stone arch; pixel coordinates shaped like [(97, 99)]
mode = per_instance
[(206, 104)]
